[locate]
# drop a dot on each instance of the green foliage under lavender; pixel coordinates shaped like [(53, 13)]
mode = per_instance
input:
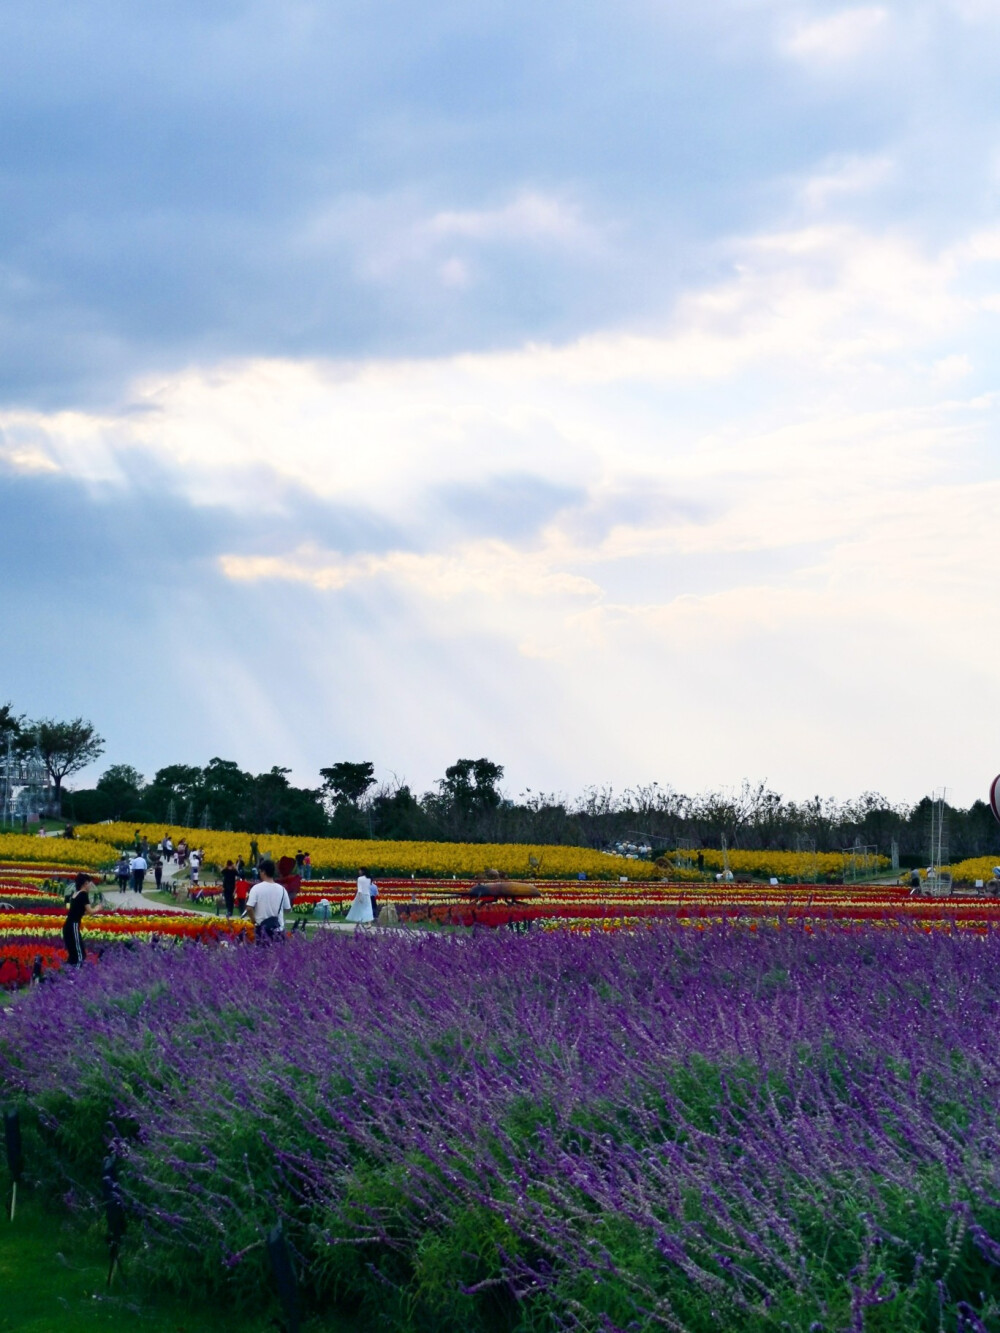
[(676, 1130)]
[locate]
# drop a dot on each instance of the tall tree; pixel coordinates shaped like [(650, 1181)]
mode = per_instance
[(66, 747), (121, 786), (347, 782), (472, 785), (11, 726)]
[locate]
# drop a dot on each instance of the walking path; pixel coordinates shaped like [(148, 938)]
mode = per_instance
[(115, 898), (128, 898)]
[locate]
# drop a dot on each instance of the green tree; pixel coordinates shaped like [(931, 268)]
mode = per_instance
[(471, 785), (122, 788), (11, 726), (227, 790), (176, 785), (65, 748), (396, 813), (347, 782)]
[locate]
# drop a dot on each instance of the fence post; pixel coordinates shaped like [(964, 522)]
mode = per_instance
[(113, 1211), (15, 1157), (284, 1276)]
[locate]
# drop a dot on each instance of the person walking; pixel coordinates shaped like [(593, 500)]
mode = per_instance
[(79, 907), (267, 904), (229, 876), (122, 872), (360, 910), (158, 873), (373, 891), (168, 848), (254, 852), (138, 867), (307, 866)]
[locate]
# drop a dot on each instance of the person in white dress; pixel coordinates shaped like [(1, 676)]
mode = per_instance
[(360, 910)]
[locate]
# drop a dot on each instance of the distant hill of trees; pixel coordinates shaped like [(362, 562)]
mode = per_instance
[(468, 804)]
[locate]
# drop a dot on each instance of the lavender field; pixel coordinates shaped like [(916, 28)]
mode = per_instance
[(672, 1129)]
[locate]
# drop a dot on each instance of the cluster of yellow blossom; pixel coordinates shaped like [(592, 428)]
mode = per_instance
[(433, 859), (976, 867), (795, 866), (23, 849)]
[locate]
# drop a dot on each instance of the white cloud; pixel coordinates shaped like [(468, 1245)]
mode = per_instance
[(977, 11), (950, 368), (783, 474), (845, 177), (396, 235), (824, 308), (485, 569), (26, 459), (838, 37), (530, 217)]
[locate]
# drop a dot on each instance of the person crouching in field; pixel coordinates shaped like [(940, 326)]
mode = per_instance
[(267, 904), (79, 907)]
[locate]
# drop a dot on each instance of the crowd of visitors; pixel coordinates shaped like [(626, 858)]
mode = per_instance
[(266, 902)]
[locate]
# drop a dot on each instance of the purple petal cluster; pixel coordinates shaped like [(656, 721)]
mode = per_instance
[(669, 1129)]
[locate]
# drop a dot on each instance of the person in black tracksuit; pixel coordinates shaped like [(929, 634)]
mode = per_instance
[(79, 907), (229, 878)]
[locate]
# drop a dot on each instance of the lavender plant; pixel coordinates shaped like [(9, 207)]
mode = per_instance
[(663, 1130)]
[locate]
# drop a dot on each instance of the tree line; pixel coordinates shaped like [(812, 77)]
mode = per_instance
[(469, 804)]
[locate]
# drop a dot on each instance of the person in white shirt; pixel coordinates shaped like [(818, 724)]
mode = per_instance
[(195, 863), (267, 904), (138, 866)]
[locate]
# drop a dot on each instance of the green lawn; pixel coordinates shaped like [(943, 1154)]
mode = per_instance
[(52, 1277), (182, 900)]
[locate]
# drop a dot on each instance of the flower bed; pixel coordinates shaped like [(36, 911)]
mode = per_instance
[(447, 903), (32, 927), (426, 859), (57, 854), (654, 1129)]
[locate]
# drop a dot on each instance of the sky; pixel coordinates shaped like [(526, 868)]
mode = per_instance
[(611, 391)]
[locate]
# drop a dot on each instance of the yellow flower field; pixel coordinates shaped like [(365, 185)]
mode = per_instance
[(91, 854), (977, 867), (784, 865), (97, 845), (433, 859)]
